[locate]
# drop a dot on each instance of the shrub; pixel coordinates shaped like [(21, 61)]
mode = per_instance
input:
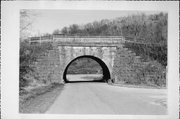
[(152, 74), (28, 56)]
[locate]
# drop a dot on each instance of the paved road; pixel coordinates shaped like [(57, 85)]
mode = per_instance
[(83, 77), (101, 98)]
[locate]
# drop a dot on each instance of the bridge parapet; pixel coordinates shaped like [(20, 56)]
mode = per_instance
[(81, 40), (90, 41)]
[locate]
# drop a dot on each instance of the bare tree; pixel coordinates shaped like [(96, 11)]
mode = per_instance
[(57, 31), (26, 20)]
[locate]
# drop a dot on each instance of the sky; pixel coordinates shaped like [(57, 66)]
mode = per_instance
[(46, 21)]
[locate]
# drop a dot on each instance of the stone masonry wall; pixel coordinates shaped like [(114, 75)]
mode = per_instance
[(47, 67), (124, 65), (130, 68)]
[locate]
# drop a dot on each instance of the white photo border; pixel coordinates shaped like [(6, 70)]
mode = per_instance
[(10, 52)]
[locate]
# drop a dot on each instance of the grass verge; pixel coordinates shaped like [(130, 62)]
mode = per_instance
[(137, 86), (40, 99)]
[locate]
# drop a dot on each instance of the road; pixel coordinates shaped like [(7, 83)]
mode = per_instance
[(101, 98), (83, 77)]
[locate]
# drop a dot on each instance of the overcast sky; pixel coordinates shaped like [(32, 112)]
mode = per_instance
[(46, 21)]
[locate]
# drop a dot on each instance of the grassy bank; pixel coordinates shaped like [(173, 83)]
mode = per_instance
[(38, 100), (137, 85)]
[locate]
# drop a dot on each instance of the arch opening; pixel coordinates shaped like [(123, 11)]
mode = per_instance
[(105, 70)]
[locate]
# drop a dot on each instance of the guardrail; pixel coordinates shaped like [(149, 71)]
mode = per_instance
[(78, 39), (75, 36)]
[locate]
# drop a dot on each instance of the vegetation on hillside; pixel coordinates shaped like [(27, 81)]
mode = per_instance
[(149, 28), (28, 56), (150, 51)]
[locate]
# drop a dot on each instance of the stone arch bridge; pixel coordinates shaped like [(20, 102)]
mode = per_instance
[(117, 62)]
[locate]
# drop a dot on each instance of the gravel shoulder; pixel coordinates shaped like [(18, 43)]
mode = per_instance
[(40, 100)]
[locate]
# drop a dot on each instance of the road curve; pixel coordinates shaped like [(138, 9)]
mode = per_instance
[(101, 98)]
